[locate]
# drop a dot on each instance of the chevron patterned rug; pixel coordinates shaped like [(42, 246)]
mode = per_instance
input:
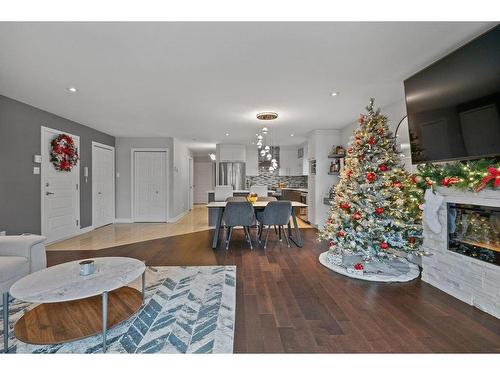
[(187, 310)]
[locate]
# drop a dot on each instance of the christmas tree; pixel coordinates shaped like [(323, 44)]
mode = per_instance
[(375, 212)]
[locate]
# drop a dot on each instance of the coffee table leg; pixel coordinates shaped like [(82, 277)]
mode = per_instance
[(104, 320), (143, 285)]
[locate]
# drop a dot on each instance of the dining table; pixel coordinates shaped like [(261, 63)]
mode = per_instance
[(259, 205)]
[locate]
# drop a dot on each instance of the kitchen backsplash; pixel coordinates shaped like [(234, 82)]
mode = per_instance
[(271, 180)]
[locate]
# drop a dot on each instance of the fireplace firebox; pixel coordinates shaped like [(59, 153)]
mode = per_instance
[(474, 231)]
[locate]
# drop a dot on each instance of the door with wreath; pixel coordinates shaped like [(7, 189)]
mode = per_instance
[(60, 175)]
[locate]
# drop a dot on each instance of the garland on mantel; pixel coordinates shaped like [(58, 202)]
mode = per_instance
[(473, 175)]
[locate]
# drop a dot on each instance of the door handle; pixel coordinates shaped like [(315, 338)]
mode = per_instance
[(49, 193)]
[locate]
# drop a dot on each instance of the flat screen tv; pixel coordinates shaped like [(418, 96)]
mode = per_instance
[(453, 106)]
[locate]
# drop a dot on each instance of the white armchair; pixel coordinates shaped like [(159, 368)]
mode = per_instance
[(19, 256)]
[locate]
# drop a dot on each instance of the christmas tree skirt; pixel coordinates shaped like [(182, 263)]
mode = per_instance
[(394, 270)]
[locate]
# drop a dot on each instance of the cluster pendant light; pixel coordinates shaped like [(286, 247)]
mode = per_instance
[(265, 141)]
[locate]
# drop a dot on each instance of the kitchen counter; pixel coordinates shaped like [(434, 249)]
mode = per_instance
[(240, 191), (302, 190)]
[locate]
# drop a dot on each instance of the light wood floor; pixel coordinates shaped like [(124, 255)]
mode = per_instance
[(122, 234)]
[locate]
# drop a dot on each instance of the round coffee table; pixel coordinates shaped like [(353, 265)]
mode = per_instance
[(69, 302)]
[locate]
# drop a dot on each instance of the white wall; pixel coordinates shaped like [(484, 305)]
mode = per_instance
[(203, 179), (320, 144), (180, 178)]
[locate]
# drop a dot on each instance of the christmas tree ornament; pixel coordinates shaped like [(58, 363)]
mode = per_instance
[(384, 245), (370, 176), (357, 216), (379, 210), (382, 168)]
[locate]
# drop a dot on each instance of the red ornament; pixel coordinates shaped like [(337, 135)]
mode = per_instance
[(429, 183), (361, 119), (357, 216), (358, 141), (370, 176), (362, 157), (448, 181), (411, 240), (371, 141), (341, 234), (358, 267), (382, 168), (384, 245), (332, 244), (345, 206), (380, 131), (397, 184), (493, 174), (413, 178), (329, 221), (379, 210), (349, 150)]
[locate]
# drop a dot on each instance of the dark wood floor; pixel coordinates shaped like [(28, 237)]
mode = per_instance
[(288, 302)]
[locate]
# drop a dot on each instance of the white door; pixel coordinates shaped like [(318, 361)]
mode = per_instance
[(203, 180), (60, 204), (191, 183), (103, 186), (150, 186)]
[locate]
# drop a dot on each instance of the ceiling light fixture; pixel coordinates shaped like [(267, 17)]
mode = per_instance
[(227, 134), (72, 89), (267, 116), (335, 93), (292, 135), (212, 156)]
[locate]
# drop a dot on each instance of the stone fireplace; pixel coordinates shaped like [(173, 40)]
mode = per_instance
[(465, 260)]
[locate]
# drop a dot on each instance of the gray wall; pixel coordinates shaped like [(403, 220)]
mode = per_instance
[(20, 132)]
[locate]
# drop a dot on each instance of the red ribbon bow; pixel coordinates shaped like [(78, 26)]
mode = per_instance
[(493, 174)]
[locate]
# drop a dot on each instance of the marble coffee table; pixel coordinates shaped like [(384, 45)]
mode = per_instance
[(68, 300)]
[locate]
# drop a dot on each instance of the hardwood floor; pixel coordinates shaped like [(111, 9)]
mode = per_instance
[(287, 302)]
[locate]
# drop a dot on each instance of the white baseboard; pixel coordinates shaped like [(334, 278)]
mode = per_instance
[(178, 217), (123, 220), (86, 229)]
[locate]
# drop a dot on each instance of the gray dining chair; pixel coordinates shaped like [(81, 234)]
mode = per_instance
[(238, 214), (276, 213)]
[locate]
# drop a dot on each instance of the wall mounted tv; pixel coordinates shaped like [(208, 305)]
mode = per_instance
[(453, 106)]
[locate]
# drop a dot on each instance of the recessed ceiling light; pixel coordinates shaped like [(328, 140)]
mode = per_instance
[(72, 89), (267, 116), (212, 156), (291, 135), (227, 134), (335, 93)]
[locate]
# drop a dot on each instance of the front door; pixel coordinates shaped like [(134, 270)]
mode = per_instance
[(60, 193), (150, 186)]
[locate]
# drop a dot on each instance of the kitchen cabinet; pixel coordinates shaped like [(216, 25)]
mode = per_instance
[(290, 164), (231, 152), (304, 161), (252, 161)]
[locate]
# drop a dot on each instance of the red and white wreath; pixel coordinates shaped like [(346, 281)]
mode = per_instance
[(63, 154)]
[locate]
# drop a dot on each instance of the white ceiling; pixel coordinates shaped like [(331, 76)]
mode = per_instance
[(197, 81)]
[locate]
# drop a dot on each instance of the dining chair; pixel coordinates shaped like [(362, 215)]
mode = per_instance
[(238, 214), (276, 213)]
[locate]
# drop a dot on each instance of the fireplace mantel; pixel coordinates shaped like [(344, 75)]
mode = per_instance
[(471, 280)]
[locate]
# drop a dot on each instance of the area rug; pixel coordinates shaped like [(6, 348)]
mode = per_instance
[(187, 310), (396, 270)]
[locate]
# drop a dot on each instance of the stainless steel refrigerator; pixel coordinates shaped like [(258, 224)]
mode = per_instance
[(232, 173)]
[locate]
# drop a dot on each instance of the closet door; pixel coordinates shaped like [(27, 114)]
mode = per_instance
[(150, 186), (103, 187)]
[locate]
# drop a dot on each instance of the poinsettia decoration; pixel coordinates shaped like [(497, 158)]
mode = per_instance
[(63, 153)]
